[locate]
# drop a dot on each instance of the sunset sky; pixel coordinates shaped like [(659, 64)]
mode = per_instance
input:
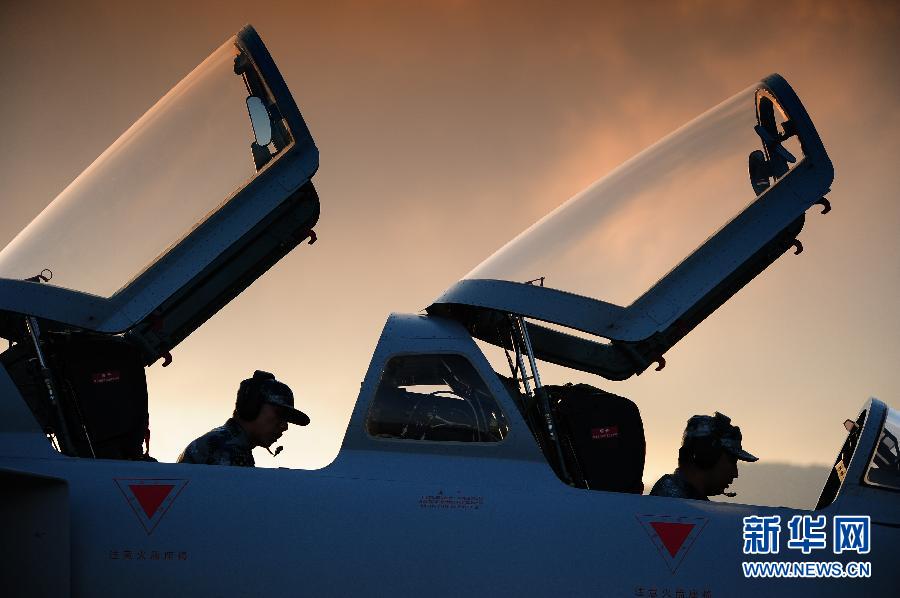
[(445, 129)]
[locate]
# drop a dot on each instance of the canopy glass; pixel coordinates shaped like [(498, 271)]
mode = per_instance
[(616, 238), (163, 177)]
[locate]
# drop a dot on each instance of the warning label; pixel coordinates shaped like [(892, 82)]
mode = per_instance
[(150, 499)]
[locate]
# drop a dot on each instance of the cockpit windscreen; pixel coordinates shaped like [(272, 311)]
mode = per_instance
[(884, 468), (165, 175)]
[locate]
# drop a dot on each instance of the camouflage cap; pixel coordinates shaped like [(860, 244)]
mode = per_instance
[(279, 393), (718, 426)]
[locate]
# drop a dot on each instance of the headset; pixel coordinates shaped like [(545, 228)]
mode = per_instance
[(250, 396), (705, 451)]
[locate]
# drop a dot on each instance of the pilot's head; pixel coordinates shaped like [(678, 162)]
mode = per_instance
[(710, 450), (265, 407)]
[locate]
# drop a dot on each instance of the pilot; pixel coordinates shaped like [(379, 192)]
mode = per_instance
[(707, 459), (263, 409)]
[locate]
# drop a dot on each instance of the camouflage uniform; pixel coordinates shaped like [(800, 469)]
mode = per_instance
[(225, 445), (675, 486), (716, 426)]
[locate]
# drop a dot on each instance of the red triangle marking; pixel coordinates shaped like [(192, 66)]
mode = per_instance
[(150, 496), (672, 535)]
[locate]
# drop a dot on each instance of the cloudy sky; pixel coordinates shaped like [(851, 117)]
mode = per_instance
[(445, 129)]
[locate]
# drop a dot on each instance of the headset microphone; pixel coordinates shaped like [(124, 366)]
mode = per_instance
[(278, 449)]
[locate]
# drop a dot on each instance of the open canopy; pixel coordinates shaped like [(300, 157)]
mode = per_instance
[(635, 260), (191, 204)]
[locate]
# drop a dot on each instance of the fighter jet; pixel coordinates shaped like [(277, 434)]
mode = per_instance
[(453, 478)]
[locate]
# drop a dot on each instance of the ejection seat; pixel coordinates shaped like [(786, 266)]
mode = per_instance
[(601, 436), (101, 410)]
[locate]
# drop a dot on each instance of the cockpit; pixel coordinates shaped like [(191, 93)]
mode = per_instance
[(616, 277), (884, 468), (204, 193), (880, 467)]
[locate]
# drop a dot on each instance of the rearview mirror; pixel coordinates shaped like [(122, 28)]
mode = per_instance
[(259, 119)]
